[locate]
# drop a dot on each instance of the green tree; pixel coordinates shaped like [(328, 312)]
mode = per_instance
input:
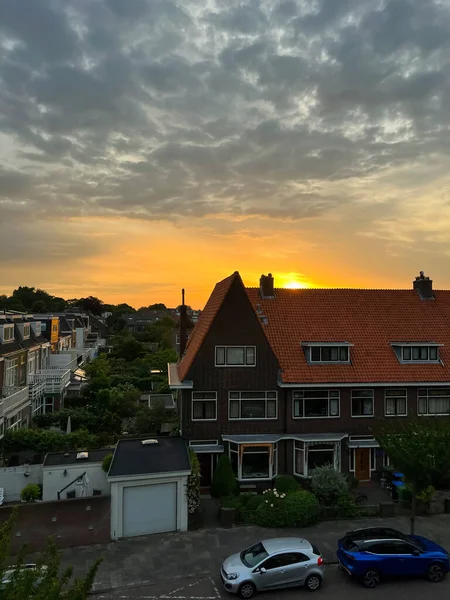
[(51, 583), (159, 360), (420, 449), (127, 347), (224, 480)]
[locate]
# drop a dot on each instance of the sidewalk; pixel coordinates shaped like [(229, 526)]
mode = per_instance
[(166, 557)]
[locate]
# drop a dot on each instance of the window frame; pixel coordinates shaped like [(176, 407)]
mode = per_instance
[(420, 347), (8, 328), (329, 398), (26, 330), (371, 416), (306, 447), (396, 397), (330, 361), (212, 399), (272, 457), (427, 399), (264, 398), (246, 348)]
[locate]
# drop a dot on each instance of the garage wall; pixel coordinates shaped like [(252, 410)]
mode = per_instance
[(117, 494), (54, 480)]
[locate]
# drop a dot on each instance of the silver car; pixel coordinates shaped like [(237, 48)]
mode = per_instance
[(270, 564)]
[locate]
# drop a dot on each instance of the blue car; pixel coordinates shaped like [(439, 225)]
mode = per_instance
[(374, 553)]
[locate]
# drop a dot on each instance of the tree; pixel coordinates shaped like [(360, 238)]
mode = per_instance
[(224, 480), (39, 306), (53, 583), (128, 347), (92, 304), (420, 449), (159, 360)]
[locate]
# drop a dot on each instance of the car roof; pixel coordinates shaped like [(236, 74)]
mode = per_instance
[(375, 533), (275, 545)]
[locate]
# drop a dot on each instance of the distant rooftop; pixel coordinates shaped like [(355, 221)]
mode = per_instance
[(54, 459)]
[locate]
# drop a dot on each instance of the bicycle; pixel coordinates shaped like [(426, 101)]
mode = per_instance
[(360, 498)]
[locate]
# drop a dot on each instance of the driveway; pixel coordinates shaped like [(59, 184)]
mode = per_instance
[(195, 555)]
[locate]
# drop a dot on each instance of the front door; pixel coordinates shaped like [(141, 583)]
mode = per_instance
[(205, 469), (362, 464)]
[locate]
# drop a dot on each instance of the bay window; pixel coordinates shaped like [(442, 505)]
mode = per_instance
[(254, 461), (252, 405), (311, 455)]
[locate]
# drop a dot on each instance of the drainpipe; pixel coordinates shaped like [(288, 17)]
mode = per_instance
[(183, 325), (69, 484), (286, 393)]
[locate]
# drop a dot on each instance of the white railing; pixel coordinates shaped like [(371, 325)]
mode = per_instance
[(55, 379), (36, 385), (14, 399)]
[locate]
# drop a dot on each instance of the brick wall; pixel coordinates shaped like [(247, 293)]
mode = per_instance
[(77, 522)]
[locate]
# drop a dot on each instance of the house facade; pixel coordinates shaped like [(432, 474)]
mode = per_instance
[(286, 380)]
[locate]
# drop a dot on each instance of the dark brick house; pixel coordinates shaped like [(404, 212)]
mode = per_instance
[(285, 380)]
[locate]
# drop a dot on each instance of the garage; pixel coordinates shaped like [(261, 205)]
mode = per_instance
[(149, 509), (148, 487)]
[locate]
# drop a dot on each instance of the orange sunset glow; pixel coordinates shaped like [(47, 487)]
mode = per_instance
[(147, 147)]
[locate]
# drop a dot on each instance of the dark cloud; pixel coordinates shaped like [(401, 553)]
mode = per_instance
[(160, 108)]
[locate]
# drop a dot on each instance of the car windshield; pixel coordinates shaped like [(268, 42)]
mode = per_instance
[(254, 555)]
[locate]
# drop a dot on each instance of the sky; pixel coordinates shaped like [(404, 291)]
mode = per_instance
[(151, 145)]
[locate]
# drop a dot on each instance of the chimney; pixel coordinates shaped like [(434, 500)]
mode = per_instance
[(424, 287), (266, 286), (183, 325)]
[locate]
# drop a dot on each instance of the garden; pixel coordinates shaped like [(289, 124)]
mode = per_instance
[(328, 494)]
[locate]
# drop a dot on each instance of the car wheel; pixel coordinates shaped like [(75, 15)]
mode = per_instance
[(435, 573), (247, 590), (313, 582), (371, 578)]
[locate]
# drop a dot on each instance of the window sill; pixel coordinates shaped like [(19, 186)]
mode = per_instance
[(203, 420), (254, 419), (390, 416), (363, 416), (311, 418)]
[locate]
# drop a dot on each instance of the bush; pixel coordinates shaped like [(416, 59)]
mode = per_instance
[(270, 512), (106, 462), (346, 507), (224, 481), (193, 484), (30, 493), (404, 495), (286, 484), (254, 502), (300, 509), (327, 485), (351, 481)]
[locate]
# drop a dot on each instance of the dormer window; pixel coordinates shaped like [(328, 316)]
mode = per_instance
[(417, 353), (319, 353), (8, 333), (26, 330)]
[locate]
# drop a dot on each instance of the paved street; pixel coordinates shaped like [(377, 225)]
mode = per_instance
[(337, 585), (178, 557)]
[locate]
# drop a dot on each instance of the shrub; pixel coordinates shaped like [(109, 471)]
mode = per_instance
[(193, 484), (30, 493), (223, 481), (270, 512), (286, 484), (327, 484), (404, 495), (346, 507), (301, 508), (106, 463), (351, 481), (254, 502)]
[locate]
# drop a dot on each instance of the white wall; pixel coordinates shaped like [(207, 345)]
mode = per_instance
[(64, 359), (117, 500), (54, 480), (13, 480), (80, 337)]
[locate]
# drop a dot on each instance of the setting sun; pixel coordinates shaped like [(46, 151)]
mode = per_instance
[(295, 285), (292, 281)]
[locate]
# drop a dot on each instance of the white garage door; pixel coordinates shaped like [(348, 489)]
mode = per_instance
[(149, 509)]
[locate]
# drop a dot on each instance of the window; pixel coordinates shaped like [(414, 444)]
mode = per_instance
[(419, 353), (55, 327), (8, 333), (310, 404), (252, 405), (320, 455), (433, 401), (254, 555), (362, 403), (204, 406), (395, 402), (329, 354), (310, 455), (11, 372), (386, 461), (284, 560), (26, 330), (254, 461), (299, 458), (235, 356)]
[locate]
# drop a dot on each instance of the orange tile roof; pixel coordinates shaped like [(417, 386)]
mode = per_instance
[(369, 319), (204, 323)]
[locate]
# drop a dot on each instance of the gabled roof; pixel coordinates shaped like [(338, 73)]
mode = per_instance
[(369, 319), (204, 323)]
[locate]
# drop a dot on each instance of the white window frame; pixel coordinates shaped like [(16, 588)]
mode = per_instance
[(327, 396), (400, 394), (419, 360), (212, 399), (11, 372), (273, 464), (225, 364), (427, 398), (309, 447), (373, 403), (10, 330), (328, 362), (26, 330), (264, 397)]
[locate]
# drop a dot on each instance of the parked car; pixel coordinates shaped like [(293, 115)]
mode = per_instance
[(374, 553), (271, 564), (7, 574)]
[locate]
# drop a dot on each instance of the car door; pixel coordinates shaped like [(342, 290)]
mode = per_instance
[(408, 559), (296, 569), (275, 571), (384, 558)]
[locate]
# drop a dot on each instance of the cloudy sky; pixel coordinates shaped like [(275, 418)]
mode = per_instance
[(149, 145)]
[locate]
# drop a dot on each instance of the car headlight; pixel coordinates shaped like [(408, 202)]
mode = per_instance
[(232, 576)]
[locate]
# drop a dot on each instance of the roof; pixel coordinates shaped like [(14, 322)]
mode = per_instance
[(132, 457), (286, 543), (55, 459), (204, 323), (369, 319)]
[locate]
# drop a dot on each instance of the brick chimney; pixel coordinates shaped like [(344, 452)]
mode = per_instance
[(266, 286), (183, 325), (424, 287)]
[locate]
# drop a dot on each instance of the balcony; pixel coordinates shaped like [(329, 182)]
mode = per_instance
[(36, 385), (56, 379), (14, 399)]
